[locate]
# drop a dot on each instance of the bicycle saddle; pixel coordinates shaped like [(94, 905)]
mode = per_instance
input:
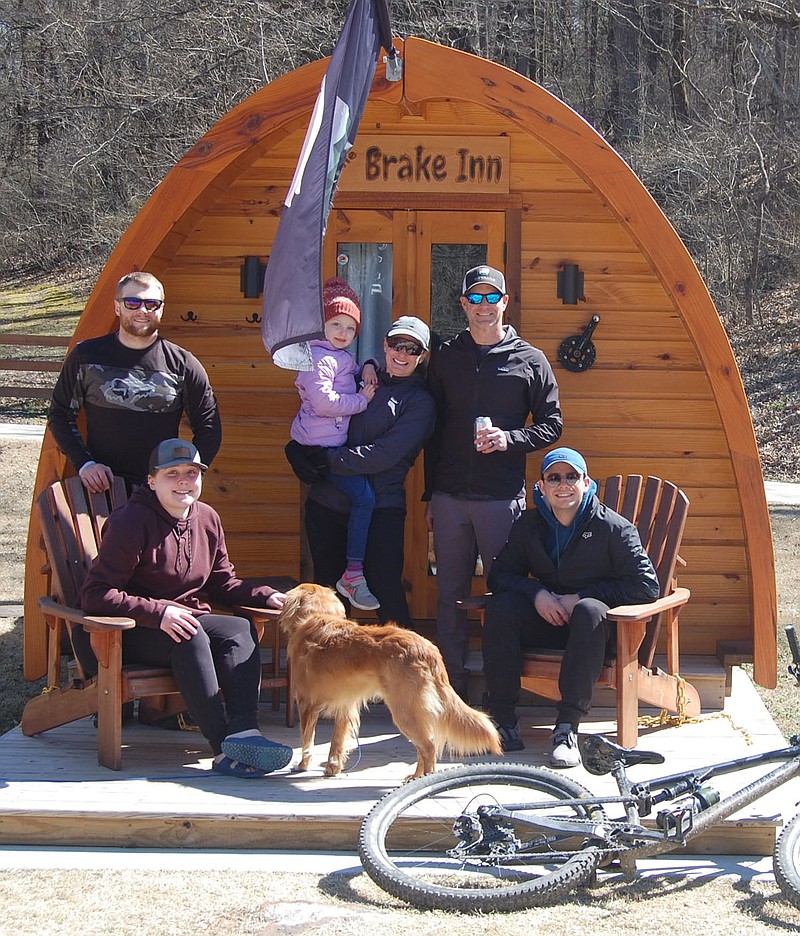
[(601, 756)]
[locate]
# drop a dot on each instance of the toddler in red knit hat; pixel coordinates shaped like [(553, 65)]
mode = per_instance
[(329, 396)]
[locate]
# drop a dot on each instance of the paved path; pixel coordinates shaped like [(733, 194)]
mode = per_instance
[(779, 493), (18, 857)]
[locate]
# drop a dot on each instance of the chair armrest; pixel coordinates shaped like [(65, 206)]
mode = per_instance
[(473, 603), (644, 612), (248, 610), (89, 621)]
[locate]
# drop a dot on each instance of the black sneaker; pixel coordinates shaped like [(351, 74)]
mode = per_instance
[(510, 737)]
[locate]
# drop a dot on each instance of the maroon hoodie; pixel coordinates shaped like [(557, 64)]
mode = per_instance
[(149, 559)]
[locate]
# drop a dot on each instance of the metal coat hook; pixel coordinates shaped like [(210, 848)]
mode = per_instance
[(252, 319), (190, 317)]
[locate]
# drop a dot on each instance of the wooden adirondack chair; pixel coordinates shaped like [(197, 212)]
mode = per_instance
[(72, 526), (658, 509)]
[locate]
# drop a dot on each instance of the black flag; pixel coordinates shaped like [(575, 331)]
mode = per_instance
[(292, 304)]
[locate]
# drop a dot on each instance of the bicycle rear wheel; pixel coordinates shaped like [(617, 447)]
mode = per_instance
[(786, 861), (412, 842)]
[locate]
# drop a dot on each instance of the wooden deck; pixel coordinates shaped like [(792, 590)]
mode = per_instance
[(53, 793)]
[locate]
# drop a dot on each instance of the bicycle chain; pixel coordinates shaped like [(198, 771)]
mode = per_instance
[(610, 827)]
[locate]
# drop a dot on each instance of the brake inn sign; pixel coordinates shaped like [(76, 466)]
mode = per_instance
[(432, 164), (460, 158)]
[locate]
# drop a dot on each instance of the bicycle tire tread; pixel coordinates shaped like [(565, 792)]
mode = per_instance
[(786, 861), (535, 892)]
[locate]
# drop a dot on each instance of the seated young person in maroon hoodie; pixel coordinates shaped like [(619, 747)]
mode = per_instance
[(159, 552)]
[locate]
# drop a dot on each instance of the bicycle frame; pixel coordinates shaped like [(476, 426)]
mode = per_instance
[(638, 800)]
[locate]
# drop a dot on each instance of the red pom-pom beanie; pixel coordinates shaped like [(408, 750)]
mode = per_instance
[(339, 298)]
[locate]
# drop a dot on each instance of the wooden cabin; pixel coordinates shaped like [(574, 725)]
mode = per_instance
[(461, 161)]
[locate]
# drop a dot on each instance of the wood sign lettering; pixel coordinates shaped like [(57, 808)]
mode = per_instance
[(427, 164)]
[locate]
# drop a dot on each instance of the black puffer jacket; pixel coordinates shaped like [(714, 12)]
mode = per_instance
[(511, 382), (604, 559)]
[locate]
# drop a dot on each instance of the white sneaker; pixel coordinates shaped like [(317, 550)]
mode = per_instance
[(565, 747), (357, 593)]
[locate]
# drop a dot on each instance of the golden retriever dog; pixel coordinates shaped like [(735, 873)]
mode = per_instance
[(338, 666)]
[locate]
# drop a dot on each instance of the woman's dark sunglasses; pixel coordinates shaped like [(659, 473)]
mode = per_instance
[(477, 298), (404, 347), (132, 303)]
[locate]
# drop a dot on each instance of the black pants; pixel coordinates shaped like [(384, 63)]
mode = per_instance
[(383, 562), (512, 625), (222, 655)]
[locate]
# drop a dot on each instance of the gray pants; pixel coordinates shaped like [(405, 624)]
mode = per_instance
[(461, 530)]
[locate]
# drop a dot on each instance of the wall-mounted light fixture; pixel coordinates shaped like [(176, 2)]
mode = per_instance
[(252, 277), (570, 284)]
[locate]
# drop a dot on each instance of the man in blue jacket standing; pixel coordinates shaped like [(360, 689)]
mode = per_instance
[(565, 564), (475, 480)]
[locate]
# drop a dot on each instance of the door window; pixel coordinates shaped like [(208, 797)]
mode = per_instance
[(449, 262), (368, 269)]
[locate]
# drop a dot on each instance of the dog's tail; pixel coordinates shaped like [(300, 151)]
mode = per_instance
[(463, 730)]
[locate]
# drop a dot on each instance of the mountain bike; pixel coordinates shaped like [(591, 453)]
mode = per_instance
[(504, 836)]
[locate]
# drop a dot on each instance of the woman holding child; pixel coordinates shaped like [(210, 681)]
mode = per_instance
[(383, 442)]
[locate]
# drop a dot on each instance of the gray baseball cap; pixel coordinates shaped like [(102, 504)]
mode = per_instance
[(413, 327), (174, 452)]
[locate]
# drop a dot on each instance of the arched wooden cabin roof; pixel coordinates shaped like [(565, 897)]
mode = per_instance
[(665, 396)]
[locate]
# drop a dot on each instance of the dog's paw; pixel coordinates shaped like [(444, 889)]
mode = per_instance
[(300, 766), (413, 776), (332, 769)]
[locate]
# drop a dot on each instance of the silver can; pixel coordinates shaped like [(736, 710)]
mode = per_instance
[(482, 422)]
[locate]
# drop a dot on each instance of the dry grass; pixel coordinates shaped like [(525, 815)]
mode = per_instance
[(232, 903)]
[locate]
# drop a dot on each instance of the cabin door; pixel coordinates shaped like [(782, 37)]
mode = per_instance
[(411, 262)]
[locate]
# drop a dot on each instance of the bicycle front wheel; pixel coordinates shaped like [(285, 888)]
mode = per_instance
[(786, 861), (426, 842)]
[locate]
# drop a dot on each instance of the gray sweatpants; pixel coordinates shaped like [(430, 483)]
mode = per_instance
[(461, 530)]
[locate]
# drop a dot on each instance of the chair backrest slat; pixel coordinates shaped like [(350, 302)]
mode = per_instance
[(72, 524), (612, 492), (61, 544), (630, 497), (647, 511)]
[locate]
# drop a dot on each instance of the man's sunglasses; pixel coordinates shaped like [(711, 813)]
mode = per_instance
[(132, 303), (478, 298), (404, 347), (571, 478)]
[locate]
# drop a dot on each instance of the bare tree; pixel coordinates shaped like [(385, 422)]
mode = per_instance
[(102, 97)]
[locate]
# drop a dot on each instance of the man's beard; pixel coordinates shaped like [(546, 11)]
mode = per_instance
[(145, 330)]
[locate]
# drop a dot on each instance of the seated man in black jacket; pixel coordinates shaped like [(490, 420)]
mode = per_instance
[(565, 564)]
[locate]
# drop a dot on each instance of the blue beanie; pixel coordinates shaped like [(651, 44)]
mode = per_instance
[(568, 455)]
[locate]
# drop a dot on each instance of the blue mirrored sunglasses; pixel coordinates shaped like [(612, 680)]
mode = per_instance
[(478, 298)]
